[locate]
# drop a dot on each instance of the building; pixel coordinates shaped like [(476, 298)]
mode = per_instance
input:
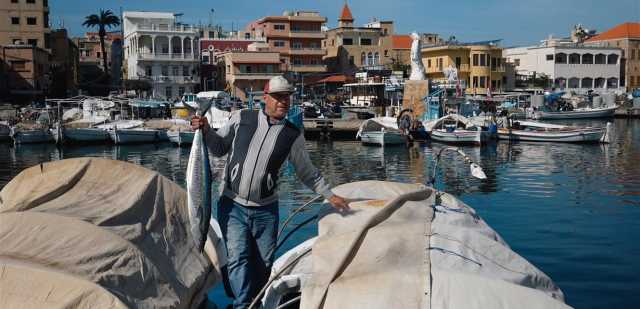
[(91, 66), (480, 66), (24, 73), (162, 52), (210, 49), (626, 37), (248, 71), (24, 22), (297, 36), (351, 48), (64, 65), (567, 65)]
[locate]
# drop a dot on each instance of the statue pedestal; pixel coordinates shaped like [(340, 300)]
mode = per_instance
[(414, 91)]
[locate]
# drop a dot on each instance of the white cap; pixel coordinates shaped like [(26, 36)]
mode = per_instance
[(278, 84)]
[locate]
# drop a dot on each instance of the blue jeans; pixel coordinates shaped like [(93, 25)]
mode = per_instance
[(250, 235)]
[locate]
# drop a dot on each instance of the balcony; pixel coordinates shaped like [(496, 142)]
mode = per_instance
[(254, 75), (307, 34), (175, 79), (170, 57), (308, 68), (166, 28), (309, 51)]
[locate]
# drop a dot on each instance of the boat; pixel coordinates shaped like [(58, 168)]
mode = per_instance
[(405, 246), (181, 137), (578, 113), (121, 124), (135, 135), (31, 136), (534, 131), (381, 131), (457, 129)]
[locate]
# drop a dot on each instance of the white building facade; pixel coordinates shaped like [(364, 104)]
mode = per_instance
[(161, 51), (569, 66)]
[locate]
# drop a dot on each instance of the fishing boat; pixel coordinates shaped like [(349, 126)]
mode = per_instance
[(578, 113), (533, 131), (457, 129), (381, 131), (392, 238), (135, 135), (181, 137), (80, 135)]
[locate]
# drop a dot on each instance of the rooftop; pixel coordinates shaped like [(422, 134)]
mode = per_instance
[(626, 30), (402, 41)]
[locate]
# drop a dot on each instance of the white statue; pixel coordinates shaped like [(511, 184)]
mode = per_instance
[(451, 73), (417, 67)]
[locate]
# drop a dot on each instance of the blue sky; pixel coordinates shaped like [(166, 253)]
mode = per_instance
[(517, 22)]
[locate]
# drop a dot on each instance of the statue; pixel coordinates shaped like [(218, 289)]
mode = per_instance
[(417, 67)]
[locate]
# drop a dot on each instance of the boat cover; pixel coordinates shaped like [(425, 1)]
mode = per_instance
[(377, 123), (430, 125), (98, 233), (396, 250)]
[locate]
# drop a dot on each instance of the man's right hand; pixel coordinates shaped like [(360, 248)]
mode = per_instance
[(198, 122)]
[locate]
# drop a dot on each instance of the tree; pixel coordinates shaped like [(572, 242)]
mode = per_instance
[(104, 20)]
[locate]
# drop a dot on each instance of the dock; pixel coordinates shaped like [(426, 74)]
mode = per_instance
[(337, 129), (627, 112)]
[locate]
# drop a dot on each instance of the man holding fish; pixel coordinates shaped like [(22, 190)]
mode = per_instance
[(257, 143)]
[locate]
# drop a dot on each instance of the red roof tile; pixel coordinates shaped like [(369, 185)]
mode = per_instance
[(626, 30), (402, 41), (346, 13)]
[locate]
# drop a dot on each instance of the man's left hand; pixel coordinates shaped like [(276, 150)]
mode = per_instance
[(339, 203)]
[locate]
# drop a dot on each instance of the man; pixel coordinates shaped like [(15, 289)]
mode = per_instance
[(257, 144)]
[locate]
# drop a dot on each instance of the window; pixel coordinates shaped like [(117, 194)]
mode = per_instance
[(365, 41), (278, 43), (370, 58), (167, 92), (296, 45), (458, 62), (363, 58), (18, 65), (483, 83), (15, 20), (386, 53), (475, 82), (185, 70), (376, 58), (483, 60), (175, 70), (247, 36), (165, 70), (31, 1), (14, 1), (347, 41), (351, 60), (550, 57), (297, 61), (205, 59), (31, 21), (180, 91), (279, 27), (475, 59), (324, 43), (98, 54), (516, 62), (147, 70), (633, 54), (428, 63), (32, 42)]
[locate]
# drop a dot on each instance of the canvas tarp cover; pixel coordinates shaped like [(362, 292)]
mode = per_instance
[(98, 233), (415, 255)]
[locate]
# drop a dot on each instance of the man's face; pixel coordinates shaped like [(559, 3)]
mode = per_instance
[(277, 104)]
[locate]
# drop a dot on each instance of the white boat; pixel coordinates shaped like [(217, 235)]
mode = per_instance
[(577, 113), (456, 129), (181, 137), (405, 246), (121, 124), (32, 136), (131, 136), (546, 132), (80, 135), (381, 131)]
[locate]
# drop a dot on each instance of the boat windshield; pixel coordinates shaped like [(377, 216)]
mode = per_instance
[(189, 98)]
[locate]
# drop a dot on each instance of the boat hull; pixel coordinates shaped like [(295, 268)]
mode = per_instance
[(460, 137), (181, 137), (83, 135), (132, 136), (383, 138), (577, 114), (573, 136), (32, 137)]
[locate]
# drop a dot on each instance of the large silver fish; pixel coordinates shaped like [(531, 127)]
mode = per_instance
[(199, 182)]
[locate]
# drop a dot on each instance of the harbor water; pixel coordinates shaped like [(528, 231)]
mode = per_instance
[(572, 210)]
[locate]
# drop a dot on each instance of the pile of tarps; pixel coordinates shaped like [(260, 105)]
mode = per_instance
[(97, 233), (408, 246)]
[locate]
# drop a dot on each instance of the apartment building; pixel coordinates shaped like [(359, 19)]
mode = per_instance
[(25, 22), (296, 36), (64, 64), (569, 65), (161, 51), (248, 71), (480, 66), (627, 38), (24, 72)]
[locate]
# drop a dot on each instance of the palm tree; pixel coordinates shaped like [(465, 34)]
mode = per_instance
[(104, 20)]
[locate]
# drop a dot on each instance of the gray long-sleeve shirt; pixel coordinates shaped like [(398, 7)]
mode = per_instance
[(256, 150)]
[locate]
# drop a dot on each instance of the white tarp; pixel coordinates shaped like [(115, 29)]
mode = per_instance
[(378, 123), (97, 233), (376, 257)]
